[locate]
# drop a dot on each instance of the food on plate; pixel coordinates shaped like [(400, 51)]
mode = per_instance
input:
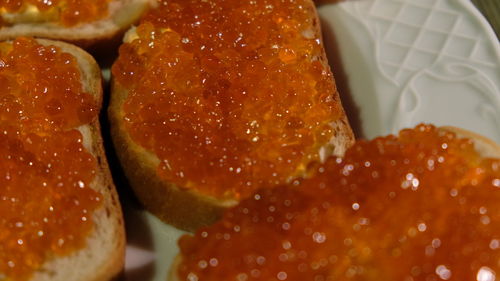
[(60, 214), (422, 205), (83, 22), (213, 99)]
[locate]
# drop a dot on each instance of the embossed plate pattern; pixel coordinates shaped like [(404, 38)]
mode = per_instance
[(432, 61)]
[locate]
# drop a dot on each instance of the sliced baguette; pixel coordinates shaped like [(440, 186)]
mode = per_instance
[(186, 208), (485, 147), (121, 14), (103, 257)]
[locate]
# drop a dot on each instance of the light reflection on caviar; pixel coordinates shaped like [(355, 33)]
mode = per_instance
[(70, 12), (229, 94), (46, 205), (421, 206)]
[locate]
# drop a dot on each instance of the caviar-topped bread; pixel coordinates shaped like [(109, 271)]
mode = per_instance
[(422, 205), (214, 99), (84, 22), (60, 215)]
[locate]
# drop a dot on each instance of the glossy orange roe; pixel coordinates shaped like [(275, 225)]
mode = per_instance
[(46, 204), (421, 206), (69, 12), (229, 94)]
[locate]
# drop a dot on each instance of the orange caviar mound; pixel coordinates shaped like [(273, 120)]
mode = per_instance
[(230, 95), (46, 204), (67, 12), (420, 206)]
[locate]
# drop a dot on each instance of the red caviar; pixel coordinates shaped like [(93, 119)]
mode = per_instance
[(46, 204), (420, 206), (69, 12), (230, 95)]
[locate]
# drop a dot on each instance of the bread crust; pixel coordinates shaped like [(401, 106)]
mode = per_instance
[(172, 273), (485, 146), (122, 14), (103, 258), (184, 208), (179, 207)]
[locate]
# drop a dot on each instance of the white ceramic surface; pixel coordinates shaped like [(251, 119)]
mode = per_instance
[(406, 62), (412, 61)]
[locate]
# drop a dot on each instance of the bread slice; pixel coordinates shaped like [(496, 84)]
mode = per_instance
[(122, 14), (486, 148), (184, 208), (483, 145), (103, 258)]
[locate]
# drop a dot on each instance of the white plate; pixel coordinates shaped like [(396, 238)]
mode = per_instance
[(412, 61), (406, 62)]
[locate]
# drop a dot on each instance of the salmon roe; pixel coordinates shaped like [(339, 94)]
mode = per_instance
[(420, 206), (46, 204), (67, 12), (230, 95)]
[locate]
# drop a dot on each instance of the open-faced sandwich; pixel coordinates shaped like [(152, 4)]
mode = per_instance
[(214, 99), (422, 205), (85, 23), (60, 217)]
